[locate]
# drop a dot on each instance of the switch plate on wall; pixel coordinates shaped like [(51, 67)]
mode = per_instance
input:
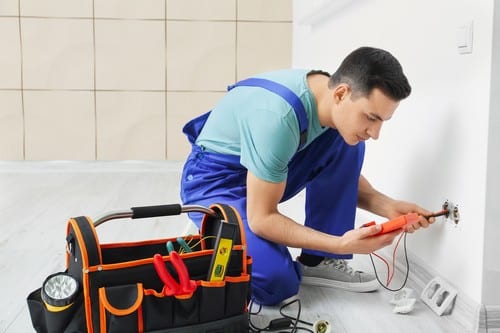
[(464, 38)]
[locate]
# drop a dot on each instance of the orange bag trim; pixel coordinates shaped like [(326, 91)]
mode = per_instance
[(103, 300), (86, 287), (237, 279), (152, 292), (147, 242), (211, 284), (140, 320), (146, 261)]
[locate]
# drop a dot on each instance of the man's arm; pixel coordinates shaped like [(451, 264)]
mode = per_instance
[(378, 203), (266, 221), (372, 200)]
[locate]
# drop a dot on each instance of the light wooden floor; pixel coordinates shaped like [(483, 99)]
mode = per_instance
[(37, 198)]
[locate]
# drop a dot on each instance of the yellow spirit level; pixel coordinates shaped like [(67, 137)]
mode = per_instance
[(222, 251)]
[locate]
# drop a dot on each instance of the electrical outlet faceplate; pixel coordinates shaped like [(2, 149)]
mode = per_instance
[(453, 213)]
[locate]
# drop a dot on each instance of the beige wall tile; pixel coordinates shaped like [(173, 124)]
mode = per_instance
[(130, 125), (57, 53), (56, 8), (265, 10), (201, 10), (144, 9), (9, 7), (11, 125), (182, 107), (130, 55), (10, 56), (59, 125), (200, 55), (263, 46)]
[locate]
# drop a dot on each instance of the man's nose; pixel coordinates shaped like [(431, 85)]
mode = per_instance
[(374, 130)]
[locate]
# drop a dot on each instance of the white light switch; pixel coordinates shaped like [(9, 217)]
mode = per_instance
[(464, 38)]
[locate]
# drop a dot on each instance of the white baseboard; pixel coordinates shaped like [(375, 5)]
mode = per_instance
[(466, 314), (490, 319)]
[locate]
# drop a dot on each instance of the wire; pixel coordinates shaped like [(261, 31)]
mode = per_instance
[(193, 246), (407, 266), (394, 260), (390, 274), (286, 322), (202, 239), (297, 318), (386, 264)]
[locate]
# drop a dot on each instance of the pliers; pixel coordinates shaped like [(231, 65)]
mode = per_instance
[(185, 286)]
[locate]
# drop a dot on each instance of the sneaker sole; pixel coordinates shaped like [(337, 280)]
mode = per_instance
[(360, 287)]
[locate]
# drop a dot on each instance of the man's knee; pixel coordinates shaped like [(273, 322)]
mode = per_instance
[(272, 286)]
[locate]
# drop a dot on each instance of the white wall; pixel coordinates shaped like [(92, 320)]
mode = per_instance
[(436, 145), (491, 291)]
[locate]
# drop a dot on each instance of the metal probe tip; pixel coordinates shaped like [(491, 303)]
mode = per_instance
[(440, 213)]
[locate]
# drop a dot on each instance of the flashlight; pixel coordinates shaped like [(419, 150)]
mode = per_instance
[(59, 290)]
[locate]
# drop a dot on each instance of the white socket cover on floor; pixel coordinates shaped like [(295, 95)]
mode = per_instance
[(439, 296)]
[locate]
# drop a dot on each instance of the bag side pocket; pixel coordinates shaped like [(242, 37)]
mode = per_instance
[(47, 321), (120, 309), (212, 300), (158, 310), (236, 294)]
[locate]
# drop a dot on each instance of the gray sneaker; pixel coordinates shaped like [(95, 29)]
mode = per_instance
[(336, 273)]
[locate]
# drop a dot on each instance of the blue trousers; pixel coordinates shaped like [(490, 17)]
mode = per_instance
[(328, 169)]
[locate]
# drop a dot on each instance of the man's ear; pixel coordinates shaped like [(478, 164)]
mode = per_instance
[(341, 92)]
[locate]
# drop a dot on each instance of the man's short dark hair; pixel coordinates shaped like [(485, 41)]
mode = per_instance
[(367, 68)]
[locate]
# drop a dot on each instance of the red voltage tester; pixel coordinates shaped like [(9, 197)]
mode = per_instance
[(397, 223)]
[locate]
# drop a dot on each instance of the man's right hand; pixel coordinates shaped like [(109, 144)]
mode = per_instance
[(366, 240)]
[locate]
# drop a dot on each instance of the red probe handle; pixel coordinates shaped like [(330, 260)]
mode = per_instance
[(397, 223)]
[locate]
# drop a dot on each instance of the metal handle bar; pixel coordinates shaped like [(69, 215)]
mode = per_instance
[(153, 211)]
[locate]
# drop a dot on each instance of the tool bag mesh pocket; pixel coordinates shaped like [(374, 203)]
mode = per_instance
[(120, 289)]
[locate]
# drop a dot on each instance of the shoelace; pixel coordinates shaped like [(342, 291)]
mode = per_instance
[(339, 264)]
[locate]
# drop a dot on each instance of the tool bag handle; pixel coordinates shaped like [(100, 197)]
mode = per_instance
[(82, 230), (153, 211)]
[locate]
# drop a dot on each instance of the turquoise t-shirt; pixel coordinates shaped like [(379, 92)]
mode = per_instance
[(260, 126)]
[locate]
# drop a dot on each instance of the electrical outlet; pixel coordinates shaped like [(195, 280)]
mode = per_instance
[(453, 213), (439, 296)]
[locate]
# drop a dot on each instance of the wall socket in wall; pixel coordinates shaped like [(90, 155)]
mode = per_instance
[(453, 212)]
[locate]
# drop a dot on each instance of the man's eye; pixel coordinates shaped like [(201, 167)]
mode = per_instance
[(370, 118)]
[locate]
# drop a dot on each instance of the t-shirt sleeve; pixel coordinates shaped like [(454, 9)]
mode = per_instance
[(268, 142)]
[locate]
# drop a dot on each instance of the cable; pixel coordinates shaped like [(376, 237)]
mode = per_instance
[(390, 274), (286, 322), (407, 267), (389, 279), (297, 318), (386, 264)]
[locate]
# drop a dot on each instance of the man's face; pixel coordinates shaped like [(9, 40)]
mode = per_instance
[(360, 118)]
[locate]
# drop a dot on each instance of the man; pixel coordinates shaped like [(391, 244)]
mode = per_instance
[(281, 132)]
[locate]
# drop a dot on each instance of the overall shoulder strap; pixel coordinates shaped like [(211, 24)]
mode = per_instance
[(287, 94)]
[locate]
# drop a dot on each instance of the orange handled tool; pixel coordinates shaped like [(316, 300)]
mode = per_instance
[(185, 286), (397, 223)]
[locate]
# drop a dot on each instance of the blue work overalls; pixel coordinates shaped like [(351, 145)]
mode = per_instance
[(327, 168)]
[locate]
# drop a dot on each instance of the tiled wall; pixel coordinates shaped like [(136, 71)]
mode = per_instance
[(117, 79)]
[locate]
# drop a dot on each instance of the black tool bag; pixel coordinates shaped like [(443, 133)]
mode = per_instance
[(118, 288)]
